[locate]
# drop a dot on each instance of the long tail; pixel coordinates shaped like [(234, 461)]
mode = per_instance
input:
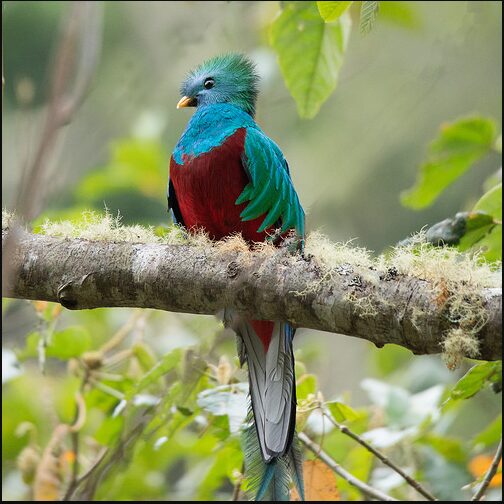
[(271, 481), (272, 456)]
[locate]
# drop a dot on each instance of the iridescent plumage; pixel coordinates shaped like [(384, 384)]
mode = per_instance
[(227, 176)]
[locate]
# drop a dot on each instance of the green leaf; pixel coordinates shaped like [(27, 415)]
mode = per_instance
[(331, 11), (491, 203), (368, 14), (185, 411), (490, 435), (476, 378), (71, 342), (478, 220), (491, 244), (341, 411), (459, 145), (299, 30), (484, 225), (167, 363), (305, 385)]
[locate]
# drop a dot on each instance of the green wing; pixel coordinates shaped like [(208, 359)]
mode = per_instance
[(270, 190)]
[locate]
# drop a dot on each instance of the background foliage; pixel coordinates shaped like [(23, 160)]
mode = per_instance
[(392, 88)]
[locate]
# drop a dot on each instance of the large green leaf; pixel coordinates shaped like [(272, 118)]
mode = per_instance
[(310, 52), (476, 378), (341, 411), (491, 244), (491, 203), (331, 11), (459, 145), (488, 235)]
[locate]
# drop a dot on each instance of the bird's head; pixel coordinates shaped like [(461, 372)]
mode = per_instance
[(230, 78)]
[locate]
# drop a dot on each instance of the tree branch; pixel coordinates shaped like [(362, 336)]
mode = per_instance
[(411, 481), (381, 307), (357, 483), (492, 470)]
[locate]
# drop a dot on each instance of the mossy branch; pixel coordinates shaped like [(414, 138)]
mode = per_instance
[(426, 299)]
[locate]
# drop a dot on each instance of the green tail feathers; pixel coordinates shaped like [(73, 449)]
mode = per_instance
[(272, 481)]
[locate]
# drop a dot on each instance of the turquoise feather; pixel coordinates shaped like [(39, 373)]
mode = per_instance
[(265, 162), (270, 186), (270, 482), (224, 90)]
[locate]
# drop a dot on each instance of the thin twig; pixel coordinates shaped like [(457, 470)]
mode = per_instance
[(237, 487), (105, 388), (118, 357), (122, 332), (71, 489), (110, 458), (490, 474), (412, 482), (332, 464), (79, 419)]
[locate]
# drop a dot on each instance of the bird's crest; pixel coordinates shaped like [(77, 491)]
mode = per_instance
[(236, 81)]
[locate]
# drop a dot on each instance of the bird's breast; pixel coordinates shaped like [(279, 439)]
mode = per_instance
[(207, 186)]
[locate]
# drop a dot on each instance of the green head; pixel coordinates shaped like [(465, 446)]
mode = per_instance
[(230, 78)]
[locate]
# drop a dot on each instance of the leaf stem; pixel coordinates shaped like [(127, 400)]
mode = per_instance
[(332, 464), (412, 482), (490, 474), (237, 487)]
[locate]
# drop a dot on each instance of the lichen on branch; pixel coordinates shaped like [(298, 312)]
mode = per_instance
[(425, 298)]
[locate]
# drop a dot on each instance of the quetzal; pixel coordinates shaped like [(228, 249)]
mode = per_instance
[(227, 177)]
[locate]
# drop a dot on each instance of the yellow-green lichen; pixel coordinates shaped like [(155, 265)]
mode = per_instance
[(458, 344), (329, 255), (456, 280)]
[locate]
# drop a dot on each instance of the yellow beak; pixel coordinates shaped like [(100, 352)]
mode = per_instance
[(186, 101)]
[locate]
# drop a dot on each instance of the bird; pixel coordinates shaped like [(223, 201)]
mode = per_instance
[(227, 177)]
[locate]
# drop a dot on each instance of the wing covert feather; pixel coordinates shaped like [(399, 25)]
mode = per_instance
[(270, 190)]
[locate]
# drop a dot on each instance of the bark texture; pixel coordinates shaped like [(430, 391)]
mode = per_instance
[(381, 307)]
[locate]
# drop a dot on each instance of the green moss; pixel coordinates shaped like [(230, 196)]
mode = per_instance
[(456, 280)]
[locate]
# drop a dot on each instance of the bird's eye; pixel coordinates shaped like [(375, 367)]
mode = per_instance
[(209, 83)]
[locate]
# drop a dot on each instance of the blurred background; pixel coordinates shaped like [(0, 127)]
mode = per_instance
[(423, 64)]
